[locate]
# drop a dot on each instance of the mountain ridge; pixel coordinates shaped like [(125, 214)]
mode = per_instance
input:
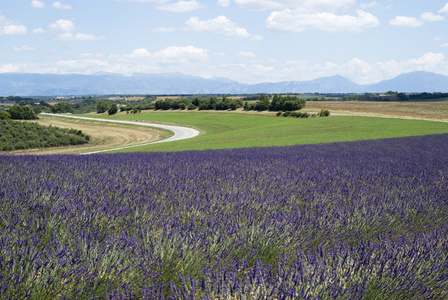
[(35, 84)]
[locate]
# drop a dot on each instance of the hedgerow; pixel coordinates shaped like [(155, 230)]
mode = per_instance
[(15, 135)]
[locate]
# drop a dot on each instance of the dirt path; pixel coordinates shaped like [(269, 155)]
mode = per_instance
[(180, 132)]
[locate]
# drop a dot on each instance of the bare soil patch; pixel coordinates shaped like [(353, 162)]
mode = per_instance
[(437, 111), (103, 135)]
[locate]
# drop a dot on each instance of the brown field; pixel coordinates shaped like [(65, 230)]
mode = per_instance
[(167, 97), (409, 110), (103, 135), (126, 98)]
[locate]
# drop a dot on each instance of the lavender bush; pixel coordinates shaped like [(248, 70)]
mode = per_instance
[(357, 220)]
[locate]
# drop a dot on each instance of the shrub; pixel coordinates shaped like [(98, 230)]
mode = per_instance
[(4, 115), (102, 106), (324, 113), (62, 107), (21, 113), (113, 109)]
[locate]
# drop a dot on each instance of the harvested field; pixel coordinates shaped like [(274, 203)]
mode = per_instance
[(103, 135), (411, 110)]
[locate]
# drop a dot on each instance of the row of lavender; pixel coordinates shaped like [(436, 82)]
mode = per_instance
[(346, 221)]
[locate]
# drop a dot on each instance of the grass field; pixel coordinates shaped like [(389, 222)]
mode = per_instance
[(233, 130)]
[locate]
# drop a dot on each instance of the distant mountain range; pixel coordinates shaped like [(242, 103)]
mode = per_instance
[(17, 84)]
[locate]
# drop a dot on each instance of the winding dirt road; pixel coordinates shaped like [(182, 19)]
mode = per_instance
[(180, 132)]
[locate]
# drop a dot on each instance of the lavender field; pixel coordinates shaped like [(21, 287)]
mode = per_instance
[(355, 220)]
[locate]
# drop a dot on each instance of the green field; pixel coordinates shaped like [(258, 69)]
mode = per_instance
[(236, 130)]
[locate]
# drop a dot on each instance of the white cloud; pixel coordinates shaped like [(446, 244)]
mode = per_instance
[(38, 31), (414, 22), (62, 25), (406, 22), (9, 68), (139, 54), (169, 55), (444, 10), (298, 21), (224, 3), (292, 4), (363, 72), (176, 54), (13, 30), (444, 45), (24, 48), (369, 5), (246, 54), (69, 36), (37, 4), (430, 17), (9, 27), (65, 32), (181, 6), (220, 25), (59, 5)]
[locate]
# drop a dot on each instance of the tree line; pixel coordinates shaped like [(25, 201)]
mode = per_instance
[(263, 102), (278, 103), (27, 109)]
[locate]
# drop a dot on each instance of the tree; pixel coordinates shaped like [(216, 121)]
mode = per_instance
[(113, 109), (4, 115), (21, 113), (102, 106), (402, 97), (263, 103), (286, 103), (62, 107), (43, 103), (196, 101)]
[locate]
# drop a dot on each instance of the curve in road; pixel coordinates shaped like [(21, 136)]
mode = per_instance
[(180, 132)]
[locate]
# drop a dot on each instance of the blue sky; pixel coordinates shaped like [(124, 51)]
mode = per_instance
[(250, 41)]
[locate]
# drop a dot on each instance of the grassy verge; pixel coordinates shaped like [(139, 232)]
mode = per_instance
[(232, 130)]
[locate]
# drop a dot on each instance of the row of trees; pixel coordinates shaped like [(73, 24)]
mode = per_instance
[(278, 103), (200, 102), (210, 103)]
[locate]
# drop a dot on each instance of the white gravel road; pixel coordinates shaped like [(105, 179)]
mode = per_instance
[(180, 132)]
